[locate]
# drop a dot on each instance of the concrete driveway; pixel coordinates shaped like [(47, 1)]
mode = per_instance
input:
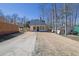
[(39, 44), (19, 46), (51, 44)]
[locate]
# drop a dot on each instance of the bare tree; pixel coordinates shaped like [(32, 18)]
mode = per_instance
[(65, 10), (42, 11), (14, 18), (24, 20), (76, 13), (8, 18), (2, 15), (55, 17), (65, 17)]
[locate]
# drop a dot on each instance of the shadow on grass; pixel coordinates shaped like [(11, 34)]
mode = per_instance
[(9, 36)]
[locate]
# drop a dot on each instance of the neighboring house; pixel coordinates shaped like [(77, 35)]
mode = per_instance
[(62, 29), (38, 25)]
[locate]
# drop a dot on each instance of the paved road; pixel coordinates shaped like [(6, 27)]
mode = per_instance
[(50, 44), (19, 46)]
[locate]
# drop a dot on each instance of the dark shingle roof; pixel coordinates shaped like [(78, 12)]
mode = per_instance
[(37, 22)]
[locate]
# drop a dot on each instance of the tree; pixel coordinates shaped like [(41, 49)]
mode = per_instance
[(65, 11), (68, 16), (64, 17), (55, 17), (1, 13), (14, 18), (76, 13), (42, 11), (27, 24), (8, 18), (24, 20)]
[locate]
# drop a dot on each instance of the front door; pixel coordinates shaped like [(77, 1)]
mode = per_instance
[(37, 28)]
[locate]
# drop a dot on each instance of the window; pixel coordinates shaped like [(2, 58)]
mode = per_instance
[(42, 27), (34, 28)]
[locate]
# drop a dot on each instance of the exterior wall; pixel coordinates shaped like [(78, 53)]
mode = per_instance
[(31, 28), (6, 28), (41, 28), (68, 30)]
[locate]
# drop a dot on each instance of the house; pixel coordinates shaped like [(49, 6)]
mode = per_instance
[(38, 25), (61, 29)]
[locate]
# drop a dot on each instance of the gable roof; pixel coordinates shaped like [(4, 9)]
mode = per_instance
[(37, 22)]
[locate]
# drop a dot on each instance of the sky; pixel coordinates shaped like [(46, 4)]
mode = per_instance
[(30, 11)]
